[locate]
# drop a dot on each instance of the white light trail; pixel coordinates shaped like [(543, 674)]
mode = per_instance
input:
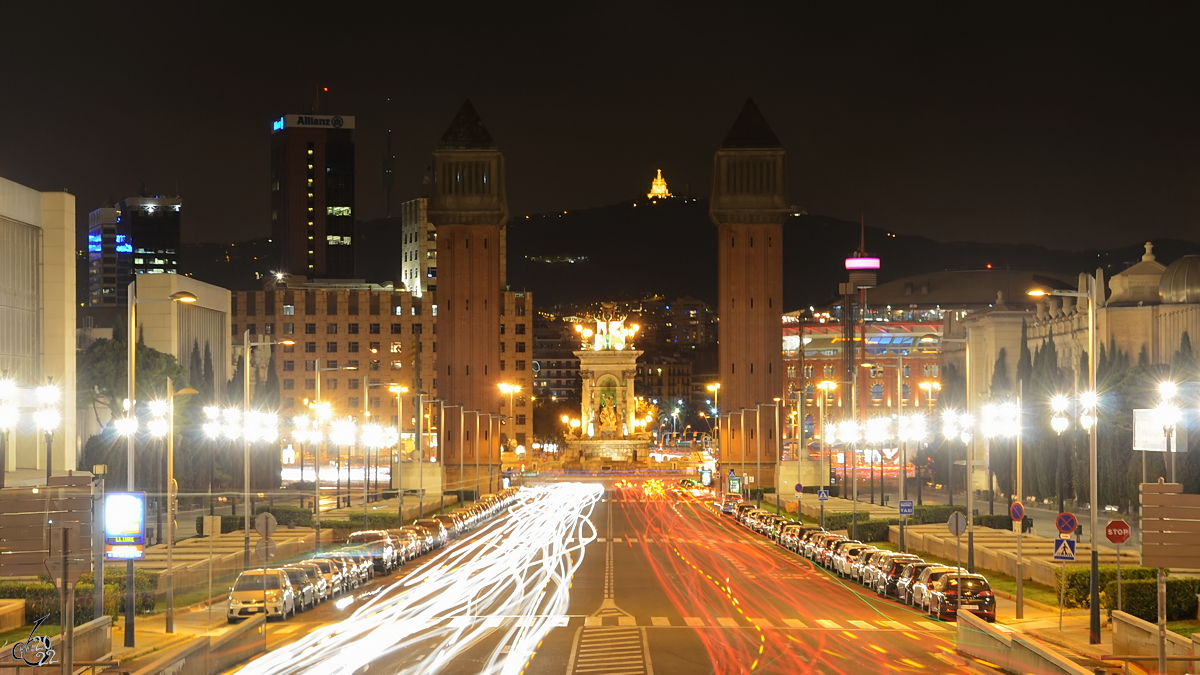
[(509, 584)]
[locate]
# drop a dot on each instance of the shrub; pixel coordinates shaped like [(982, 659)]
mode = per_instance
[(375, 521), (927, 514), (995, 522), (842, 521), (288, 516), (41, 599), (1079, 580), (1141, 597)]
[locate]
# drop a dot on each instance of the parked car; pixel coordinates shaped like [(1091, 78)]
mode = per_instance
[(302, 588), (424, 536), (259, 591), (866, 573), (380, 546), (919, 589), (334, 579), (907, 576), (846, 557), (836, 549), (889, 573), (967, 592), (320, 586), (406, 543), (729, 504), (437, 528), (863, 559), (452, 525), (821, 550)]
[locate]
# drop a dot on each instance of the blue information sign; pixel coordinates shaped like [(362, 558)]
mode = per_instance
[(124, 525), (823, 495), (906, 507)]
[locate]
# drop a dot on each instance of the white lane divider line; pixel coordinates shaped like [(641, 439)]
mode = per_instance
[(794, 623), (660, 621), (826, 623)]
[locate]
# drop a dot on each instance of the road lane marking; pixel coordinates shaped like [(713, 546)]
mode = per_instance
[(826, 623), (861, 624), (631, 540), (284, 630), (660, 621), (610, 651), (894, 624), (794, 623), (929, 625), (694, 621), (761, 622), (726, 621), (626, 621), (593, 621)]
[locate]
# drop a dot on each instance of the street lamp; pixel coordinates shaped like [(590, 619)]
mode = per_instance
[(510, 389), (400, 391), (1092, 295), (130, 410), (156, 426), (261, 428), (8, 419), (48, 418), (1169, 415), (715, 388)]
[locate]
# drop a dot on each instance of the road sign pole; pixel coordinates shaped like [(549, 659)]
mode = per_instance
[(68, 610), (1120, 595), (1062, 592), (1020, 570)]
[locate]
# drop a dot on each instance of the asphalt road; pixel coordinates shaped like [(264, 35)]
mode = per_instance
[(671, 586)]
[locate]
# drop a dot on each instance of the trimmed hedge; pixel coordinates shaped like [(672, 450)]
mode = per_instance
[(834, 490), (375, 521), (288, 516), (1079, 580), (1141, 597), (228, 523), (41, 597), (841, 521), (928, 514), (875, 530)]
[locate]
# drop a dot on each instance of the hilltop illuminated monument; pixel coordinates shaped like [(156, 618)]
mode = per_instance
[(658, 187), (610, 428)]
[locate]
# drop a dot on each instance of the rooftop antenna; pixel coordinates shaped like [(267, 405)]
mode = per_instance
[(317, 98)]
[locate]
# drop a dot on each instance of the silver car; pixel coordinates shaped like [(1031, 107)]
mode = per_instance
[(302, 587)]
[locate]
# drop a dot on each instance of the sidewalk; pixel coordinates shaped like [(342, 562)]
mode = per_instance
[(150, 630)]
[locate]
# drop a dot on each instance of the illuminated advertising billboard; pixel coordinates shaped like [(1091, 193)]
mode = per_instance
[(124, 525)]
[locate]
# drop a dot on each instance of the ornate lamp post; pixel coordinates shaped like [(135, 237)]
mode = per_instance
[(48, 418)]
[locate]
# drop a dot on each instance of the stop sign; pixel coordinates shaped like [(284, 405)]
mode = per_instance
[(1118, 532)]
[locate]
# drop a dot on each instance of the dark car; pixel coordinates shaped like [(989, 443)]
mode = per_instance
[(383, 551), (907, 576), (889, 573), (437, 528), (976, 597)]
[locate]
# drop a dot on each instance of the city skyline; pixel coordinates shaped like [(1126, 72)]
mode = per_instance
[(965, 123)]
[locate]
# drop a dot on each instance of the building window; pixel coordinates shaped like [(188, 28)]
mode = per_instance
[(289, 329), (520, 366), (289, 384), (269, 328), (289, 366), (331, 383), (331, 364), (374, 402), (352, 329), (373, 328), (310, 384), (310, 329), (353, 347), (374, 347), (331, 329), (520, 346), (396, 365), (877, 391), (310, 347), (502, 329), (289, 310), (520, 328), (397, 348), (331, 347), (374, 364), (396, 328), (502, 364), (353, 384), (501, 347), (520, 420), (353, 401)]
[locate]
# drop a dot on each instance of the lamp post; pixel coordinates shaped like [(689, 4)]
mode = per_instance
[(823, 389), (8, 419), (169, 430), (929, 387), (48, 418), (246, 437), (131, 413), (510, 389), (1092, 295), (715, 388), (1169, 415)]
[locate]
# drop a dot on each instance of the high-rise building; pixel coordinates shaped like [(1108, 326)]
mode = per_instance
[(312, 195), (139, 235), (749, 206), (418, 269), (468, 207)]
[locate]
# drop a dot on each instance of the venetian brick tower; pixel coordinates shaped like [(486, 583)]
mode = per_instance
[(749, 206), (468, 209)]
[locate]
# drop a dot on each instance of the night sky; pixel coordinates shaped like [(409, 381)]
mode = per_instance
[(1067, 124)]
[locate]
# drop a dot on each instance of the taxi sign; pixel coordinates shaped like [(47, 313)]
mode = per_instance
[(906, 507)]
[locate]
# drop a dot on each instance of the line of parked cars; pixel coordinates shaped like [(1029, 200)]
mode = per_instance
[(930, 587), (299, 586)]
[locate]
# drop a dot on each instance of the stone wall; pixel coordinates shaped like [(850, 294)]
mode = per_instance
[(1131, 635)]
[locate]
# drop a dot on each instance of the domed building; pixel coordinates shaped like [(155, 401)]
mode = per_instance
[(1180, 283)]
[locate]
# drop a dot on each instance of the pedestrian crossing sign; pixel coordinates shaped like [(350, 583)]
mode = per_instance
[(823, 495), (1065, 550)]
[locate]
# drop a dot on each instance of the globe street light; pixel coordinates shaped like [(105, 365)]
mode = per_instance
[(155, 427), (48, 418)]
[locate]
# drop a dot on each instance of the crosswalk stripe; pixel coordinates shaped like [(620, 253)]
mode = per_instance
[(626, 621), (726, 621), (660, 621), (861, 624), (693, 621), (761, 622), (632, 540), (894, 624), (591, 621), (794, 623), (929, 625), (826, 623)]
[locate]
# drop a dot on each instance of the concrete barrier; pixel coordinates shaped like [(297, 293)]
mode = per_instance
[(1132, 635), (1009, 651), (189, 658), (12, 614), (93, 642)]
